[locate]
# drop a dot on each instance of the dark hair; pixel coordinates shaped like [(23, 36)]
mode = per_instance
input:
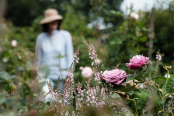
[(45, 27)]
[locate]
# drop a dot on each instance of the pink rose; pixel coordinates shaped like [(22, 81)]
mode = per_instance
[(86, 72), (115, 76), (137, 62)]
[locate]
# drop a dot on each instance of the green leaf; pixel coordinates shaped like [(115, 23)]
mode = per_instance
[(60, 56), (171, 77), (130, 77), (5, 77), (115, 95), (64, 69), (143, 39), (113, 12), (156, 78), (142, 96), (164, 91), (21, 68), (140, 103)]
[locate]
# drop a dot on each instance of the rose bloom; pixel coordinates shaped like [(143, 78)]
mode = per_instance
[(115, 76), (14, 43), (137, 62), (86, 72)]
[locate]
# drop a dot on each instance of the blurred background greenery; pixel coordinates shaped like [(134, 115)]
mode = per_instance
[(121, 37)]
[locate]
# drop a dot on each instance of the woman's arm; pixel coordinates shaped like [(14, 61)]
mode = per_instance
[(69, 50), (38, 52)]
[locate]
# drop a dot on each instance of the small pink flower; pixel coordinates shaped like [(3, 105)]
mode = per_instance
[(0, 49), (76, 58), (115, 76), (14, 43), (87, 72), (137, 62), (158, 57)]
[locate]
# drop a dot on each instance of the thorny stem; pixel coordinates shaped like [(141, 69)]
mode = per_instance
[(136, 75), (135, 72), (136, 108), (157, 65), (155, 86), (160, 96), (167, 79), (152, 90), (60, 68), (165, 88)]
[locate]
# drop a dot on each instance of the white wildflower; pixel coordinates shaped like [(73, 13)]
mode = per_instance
[(14, 43), (134, 15)]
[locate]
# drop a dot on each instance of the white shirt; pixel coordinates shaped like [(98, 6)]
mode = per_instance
[(48, 49)]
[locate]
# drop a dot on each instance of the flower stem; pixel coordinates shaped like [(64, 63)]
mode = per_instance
[(135, 73), (136, 108), (167, 79)]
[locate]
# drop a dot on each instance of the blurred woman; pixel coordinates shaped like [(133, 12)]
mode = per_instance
[(54, 48)]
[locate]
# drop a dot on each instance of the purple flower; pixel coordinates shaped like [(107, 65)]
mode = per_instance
[(137, 62), (115, 76)]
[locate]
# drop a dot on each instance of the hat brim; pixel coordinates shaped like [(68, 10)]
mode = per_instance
[(50, 19)]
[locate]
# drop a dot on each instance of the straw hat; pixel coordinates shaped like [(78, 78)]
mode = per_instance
[(50, 15)]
